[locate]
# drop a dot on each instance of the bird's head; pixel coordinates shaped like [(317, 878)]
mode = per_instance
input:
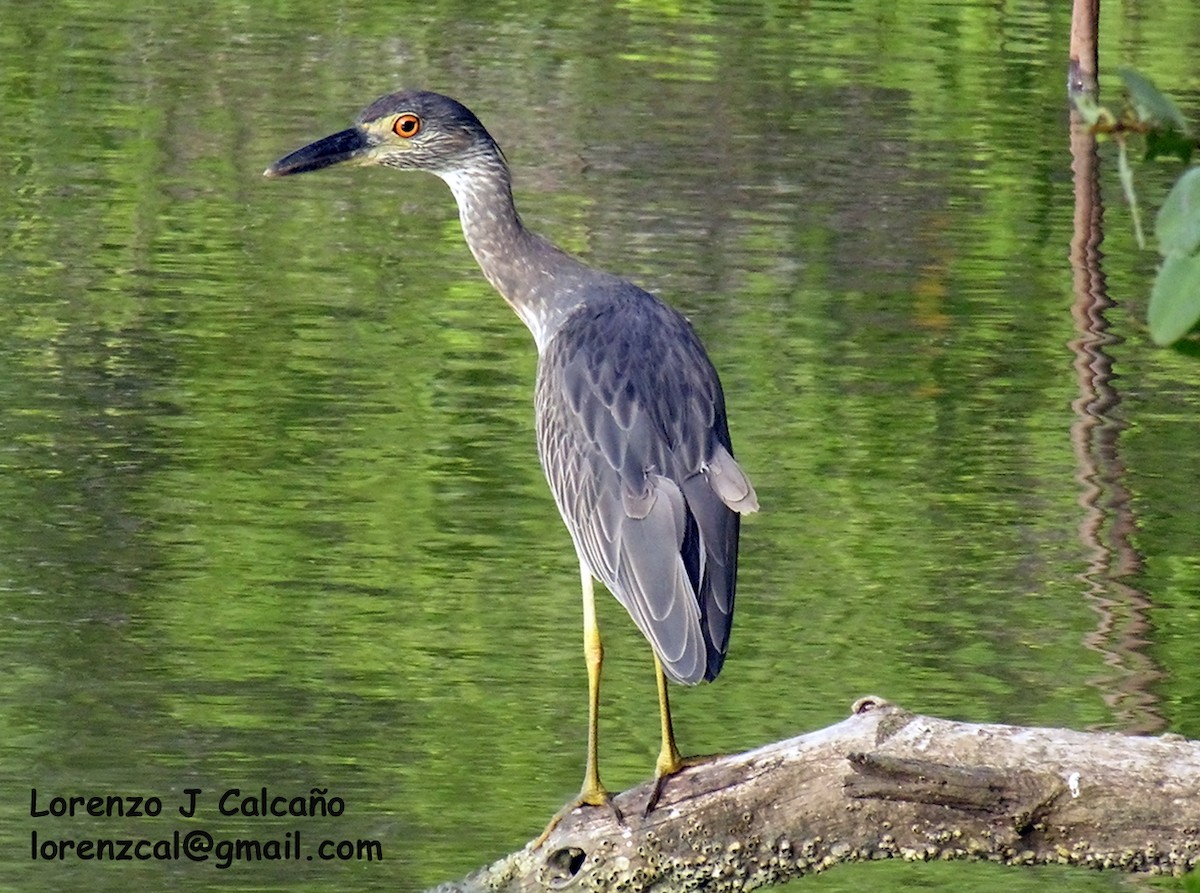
[(412, 130)]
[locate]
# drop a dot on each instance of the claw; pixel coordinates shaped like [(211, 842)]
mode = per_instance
[(598, 797), (660, 782), (669, 770)]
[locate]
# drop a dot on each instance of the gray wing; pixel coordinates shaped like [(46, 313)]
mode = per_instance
[(634, 442)]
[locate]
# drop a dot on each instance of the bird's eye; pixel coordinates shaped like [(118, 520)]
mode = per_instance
[(407, 126)]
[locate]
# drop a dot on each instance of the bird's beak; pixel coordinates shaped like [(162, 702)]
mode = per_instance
[(339, 147)]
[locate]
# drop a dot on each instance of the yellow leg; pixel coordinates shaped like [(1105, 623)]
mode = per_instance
[(669, 761), (593, 793)]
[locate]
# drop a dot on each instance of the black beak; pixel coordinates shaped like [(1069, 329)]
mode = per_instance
[(332, 149)]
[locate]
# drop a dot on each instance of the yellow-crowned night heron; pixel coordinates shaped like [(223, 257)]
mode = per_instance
[(630, 415)]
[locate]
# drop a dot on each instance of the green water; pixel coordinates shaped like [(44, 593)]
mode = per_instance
[(270, 510)]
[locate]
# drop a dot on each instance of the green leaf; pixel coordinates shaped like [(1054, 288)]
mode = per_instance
[(1151, 104), (1175, 299), (1125, 172), (1168, 143), (1089, 109), (1178, 223)]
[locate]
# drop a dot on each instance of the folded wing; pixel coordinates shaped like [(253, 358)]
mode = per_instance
[(633, 438)]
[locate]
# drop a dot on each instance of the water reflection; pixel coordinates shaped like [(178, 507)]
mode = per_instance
[(271, 508), (1109, 522)]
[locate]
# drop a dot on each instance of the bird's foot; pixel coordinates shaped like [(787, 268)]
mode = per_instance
[(667, 768), (596, 796)]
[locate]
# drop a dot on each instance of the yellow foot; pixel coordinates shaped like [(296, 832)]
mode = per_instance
[(595, 797), (667, 769)]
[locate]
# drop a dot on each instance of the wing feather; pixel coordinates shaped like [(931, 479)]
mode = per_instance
[(633, 438)]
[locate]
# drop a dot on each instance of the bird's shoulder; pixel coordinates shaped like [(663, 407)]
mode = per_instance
[(628, 362), (627, 333)]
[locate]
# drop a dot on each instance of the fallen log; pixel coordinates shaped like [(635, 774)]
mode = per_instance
[(882, 784)]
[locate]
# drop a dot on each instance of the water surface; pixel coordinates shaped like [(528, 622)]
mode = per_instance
[(270, 510)]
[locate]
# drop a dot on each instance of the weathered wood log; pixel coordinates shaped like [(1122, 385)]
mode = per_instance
[(884, 783)]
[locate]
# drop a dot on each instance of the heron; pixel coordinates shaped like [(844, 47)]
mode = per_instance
[(629, 412)]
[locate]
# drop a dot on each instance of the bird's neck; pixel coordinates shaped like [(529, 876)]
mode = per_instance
[(536, 279)]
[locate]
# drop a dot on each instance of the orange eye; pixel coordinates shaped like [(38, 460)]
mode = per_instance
[(407, 126)]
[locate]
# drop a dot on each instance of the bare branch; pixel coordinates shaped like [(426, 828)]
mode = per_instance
[(884, 783)]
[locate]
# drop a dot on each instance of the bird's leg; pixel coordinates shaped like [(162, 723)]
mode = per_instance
[(593, 792), (669, 761)]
